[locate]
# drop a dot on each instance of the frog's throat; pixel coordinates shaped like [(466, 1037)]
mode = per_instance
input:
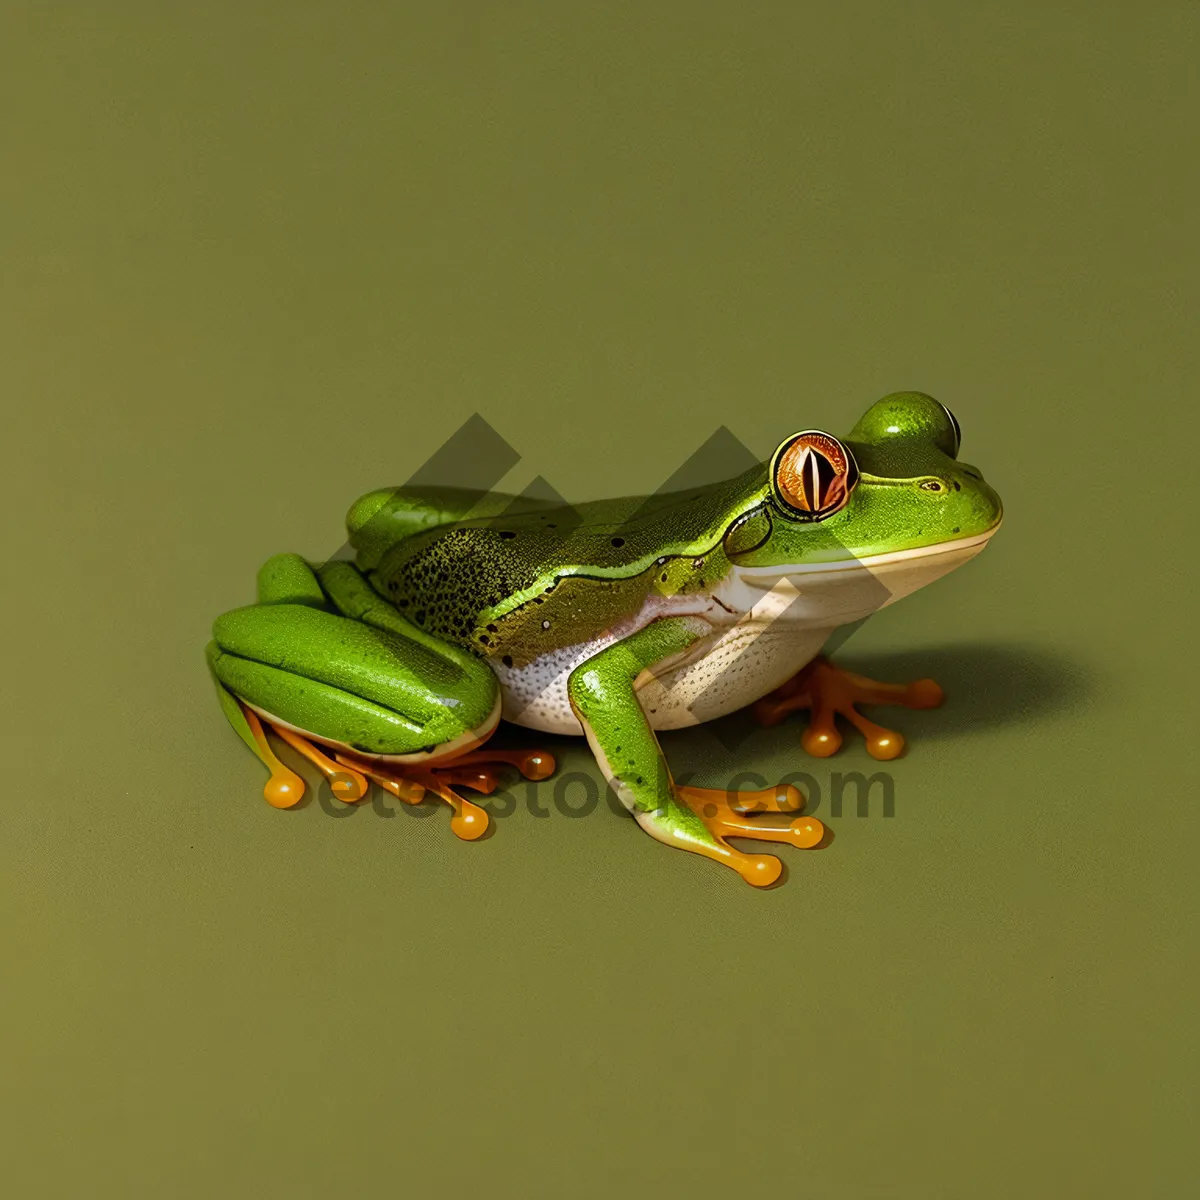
[(464, 743), (941, 557)]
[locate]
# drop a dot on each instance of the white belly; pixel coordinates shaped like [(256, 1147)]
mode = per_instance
[(764, 628), (729, 669), (756, 640), (739, 666)]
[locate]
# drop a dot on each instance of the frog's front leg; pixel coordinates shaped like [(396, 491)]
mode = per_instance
[(603, 695), (828, 690), (332, 669)]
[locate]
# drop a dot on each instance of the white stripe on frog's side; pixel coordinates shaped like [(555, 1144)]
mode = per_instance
[(766, 624)]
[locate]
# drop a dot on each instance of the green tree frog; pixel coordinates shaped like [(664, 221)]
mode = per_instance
[(612, 620)]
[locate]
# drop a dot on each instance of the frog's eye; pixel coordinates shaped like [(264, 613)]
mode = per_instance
[(813, 475), (956, 429)]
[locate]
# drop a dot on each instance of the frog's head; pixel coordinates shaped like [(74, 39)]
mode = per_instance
[(892, 492)]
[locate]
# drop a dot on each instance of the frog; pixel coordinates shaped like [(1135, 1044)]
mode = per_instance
[(613, 620)]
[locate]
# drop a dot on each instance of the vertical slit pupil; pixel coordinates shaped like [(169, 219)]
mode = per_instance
[(811, 481), (817, 476)]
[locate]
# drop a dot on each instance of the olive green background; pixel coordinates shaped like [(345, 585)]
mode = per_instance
[(259, 258)]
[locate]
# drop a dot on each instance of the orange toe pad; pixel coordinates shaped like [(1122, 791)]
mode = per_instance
[(828, 691)]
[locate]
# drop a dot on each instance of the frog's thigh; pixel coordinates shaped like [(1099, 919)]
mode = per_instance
[(349, 684), (603, 696)]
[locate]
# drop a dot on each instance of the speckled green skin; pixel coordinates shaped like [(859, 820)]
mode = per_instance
[(395, 660), (529, 583)]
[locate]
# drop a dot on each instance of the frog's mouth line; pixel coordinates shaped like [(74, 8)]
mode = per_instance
[(869, 562)]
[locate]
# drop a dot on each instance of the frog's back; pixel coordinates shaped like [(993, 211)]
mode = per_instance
[(524, 578)]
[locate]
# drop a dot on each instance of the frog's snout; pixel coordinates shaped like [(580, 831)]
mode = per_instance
[(986, 507)]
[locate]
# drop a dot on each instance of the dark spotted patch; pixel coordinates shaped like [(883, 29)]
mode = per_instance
[(507, 660)]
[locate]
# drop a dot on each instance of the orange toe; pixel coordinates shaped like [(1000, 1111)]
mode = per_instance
[(829, 692)]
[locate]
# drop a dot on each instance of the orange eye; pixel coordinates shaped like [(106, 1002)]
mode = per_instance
[(814, 474)]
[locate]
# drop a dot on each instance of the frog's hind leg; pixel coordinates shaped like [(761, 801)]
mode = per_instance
[(828, 691), (285, 788), (350, 775), (328, 667)]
